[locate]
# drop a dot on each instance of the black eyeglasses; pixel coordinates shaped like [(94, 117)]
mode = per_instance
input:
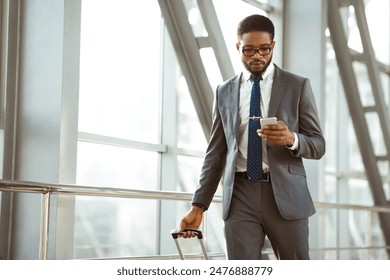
[(262, 51)]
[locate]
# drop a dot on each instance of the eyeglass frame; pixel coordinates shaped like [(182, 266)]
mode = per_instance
[(257, 51)]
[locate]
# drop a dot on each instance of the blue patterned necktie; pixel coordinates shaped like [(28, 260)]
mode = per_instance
[(254, 157)]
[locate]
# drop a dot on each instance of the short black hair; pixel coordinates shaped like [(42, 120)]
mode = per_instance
[(255, 23)]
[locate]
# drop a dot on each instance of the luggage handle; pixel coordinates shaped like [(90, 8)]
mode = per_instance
[(176, 234)]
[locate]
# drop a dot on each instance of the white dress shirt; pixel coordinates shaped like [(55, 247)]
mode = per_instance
[(244, 103)]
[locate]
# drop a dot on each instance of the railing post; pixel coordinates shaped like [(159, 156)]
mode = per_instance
[(44, 232), (369, 234)]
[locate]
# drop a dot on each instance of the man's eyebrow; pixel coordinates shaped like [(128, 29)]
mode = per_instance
[(261, 46)]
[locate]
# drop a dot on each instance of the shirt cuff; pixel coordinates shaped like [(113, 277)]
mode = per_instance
[(296, 142)]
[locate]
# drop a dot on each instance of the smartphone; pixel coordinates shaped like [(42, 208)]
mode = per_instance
[(267, 121)]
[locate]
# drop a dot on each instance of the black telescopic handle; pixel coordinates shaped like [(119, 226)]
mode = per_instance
[(176, 234)]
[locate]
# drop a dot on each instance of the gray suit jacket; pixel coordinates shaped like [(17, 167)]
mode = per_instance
[(292, 101)]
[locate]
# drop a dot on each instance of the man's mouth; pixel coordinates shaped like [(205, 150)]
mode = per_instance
[(257, 62)]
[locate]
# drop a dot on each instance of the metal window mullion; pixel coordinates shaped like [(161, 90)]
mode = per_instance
[(168, 161), (215, 37), (120, 142), (10, 45), (373, 72), (187, 52)]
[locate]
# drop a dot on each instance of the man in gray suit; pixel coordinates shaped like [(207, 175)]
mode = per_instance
[(277, 202)]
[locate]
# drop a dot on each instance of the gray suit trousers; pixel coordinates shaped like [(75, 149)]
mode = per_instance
[(254, 215)]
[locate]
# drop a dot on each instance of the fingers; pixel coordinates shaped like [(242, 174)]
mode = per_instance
[(191, 220), (183, 231), (278, 133), (183, 226), (272, 131), (187, 234)]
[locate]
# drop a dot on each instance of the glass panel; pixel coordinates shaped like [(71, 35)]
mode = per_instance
[(112, 227), (109, 166), (330, 232), (359, 192), (120, 51), (190, 132), (376, 135), (118, 59), (377, 12), (355, 158), (195, 18), (333, 100), (364, 84), (330, 189), (211, 65), (189, 170), (354, 40)]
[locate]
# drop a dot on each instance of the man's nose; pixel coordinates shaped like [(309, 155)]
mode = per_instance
[(257, 54)]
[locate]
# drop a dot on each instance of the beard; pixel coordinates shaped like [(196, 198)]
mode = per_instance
[(257, 72)]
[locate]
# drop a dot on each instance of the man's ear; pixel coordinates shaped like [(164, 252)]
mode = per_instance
[(238, 46)]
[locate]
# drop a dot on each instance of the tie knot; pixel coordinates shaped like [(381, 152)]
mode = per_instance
[(254, 78)]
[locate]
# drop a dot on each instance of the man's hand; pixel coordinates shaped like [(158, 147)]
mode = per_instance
[(191, 220), (278, 134)]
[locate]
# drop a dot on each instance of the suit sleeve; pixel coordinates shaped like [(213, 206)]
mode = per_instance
[(214, 162), (311, 140)]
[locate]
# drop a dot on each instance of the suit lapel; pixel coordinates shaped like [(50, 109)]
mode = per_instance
[(278, 89), (234, 94)]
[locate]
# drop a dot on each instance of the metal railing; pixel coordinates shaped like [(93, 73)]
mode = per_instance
[(46, 190)]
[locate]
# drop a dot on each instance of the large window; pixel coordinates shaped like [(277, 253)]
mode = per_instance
[(120, 102), (120, 69), (345, 171)]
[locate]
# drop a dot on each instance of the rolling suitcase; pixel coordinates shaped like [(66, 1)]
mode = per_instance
[(198, 234)]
